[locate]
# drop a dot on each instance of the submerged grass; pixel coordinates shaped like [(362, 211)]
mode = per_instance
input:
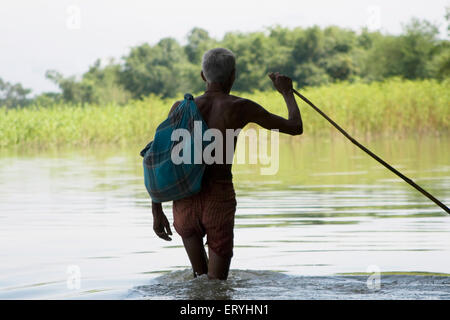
[(391, 108)]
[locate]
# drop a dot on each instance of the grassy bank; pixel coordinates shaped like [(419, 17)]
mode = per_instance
[(391, 108)]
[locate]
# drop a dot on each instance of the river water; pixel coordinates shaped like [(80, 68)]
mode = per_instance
[(331, 224)]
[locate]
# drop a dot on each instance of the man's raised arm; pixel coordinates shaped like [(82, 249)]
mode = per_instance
[(257, 114)]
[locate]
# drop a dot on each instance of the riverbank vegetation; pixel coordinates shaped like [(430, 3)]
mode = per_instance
[(390, 108)]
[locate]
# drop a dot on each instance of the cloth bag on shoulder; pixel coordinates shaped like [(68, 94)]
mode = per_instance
[(165, 180)]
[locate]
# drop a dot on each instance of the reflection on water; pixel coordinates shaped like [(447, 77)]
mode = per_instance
[(330, 210)]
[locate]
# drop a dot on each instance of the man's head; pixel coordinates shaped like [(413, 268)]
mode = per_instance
[(218, 66)]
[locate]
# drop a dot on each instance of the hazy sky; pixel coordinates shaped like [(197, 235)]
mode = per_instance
[(68, 36)]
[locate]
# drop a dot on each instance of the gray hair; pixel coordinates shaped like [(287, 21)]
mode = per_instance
[(217, 65)]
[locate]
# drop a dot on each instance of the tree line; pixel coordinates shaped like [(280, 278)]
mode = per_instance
[(310, 56)]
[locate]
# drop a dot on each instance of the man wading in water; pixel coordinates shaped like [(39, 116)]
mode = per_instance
[(212, 210)]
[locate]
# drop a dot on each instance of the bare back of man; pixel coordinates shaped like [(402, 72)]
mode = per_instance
[(223, 111)]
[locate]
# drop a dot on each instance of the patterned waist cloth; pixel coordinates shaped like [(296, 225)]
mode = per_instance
[(210, 212)]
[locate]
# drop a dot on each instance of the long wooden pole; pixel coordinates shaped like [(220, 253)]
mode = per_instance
[(370, 153)]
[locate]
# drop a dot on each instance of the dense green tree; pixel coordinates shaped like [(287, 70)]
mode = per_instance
[(311, 56), (309, 74), (198, 42), (72, 90), (13, 95), (155, 69), (417, 46), (439, 65), (47, 98), (406, 55), (106, 82), (310, 46), (100, 84), (252, 52)]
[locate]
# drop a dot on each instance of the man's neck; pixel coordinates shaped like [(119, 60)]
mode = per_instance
[(216, 87)]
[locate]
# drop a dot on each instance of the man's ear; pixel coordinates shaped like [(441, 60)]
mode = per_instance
[(233, 75), (231, 78), (203, 76)]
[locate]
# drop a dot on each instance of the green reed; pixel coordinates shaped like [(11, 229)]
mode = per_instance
[(391, 108)]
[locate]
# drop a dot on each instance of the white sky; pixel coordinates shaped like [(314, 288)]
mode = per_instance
[(37, 35)]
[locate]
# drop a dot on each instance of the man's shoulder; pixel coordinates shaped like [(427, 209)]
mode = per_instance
[(240, 101)]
